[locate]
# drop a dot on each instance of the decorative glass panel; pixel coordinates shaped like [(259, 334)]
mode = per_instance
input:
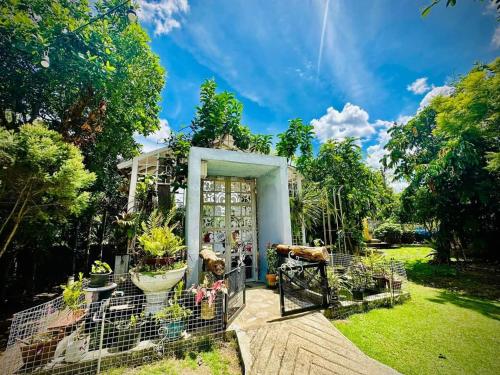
[(208, 197), (245, 187), (220, 210), (220, 197), (208, 210), (235, 198), (235, 186), (246, 211), (246, 236), (219, 236), (245, 198), (219, 221), (247, 222), (235, 222), (236, 210), (220, 185), (208, 221), (208, 185)]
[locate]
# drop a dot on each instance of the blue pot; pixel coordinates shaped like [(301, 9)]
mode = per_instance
[(172, 330)]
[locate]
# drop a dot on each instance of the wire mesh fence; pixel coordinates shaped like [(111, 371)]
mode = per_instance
[(122, 330), (359, 283)]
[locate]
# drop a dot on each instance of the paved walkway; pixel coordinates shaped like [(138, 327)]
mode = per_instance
[(302, 344)]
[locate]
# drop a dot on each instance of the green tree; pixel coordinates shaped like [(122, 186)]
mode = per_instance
[(103, 82), (298, 137), (44, 181), (444, 153), (341, 164)]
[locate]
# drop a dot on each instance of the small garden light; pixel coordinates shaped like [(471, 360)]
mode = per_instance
[(131, 14), (45, 62)]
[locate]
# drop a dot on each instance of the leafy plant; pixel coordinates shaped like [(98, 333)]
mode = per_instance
[(73, 294), (389, 232), (174, 310), (210, 293), (100, 267), (338, 283), (158, 238), (272, 261)]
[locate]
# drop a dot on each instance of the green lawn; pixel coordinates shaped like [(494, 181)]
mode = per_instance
[(222, 360), (444, 329)]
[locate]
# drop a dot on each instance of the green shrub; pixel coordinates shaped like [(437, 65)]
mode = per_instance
[(389, 232), (408, 236)]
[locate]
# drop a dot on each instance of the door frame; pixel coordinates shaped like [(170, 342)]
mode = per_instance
[(227, 221)]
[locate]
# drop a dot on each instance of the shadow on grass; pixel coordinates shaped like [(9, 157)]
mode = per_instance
[(488, 309), (476, 284)]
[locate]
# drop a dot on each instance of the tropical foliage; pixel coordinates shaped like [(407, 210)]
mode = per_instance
[(448, 154), (218, 115)]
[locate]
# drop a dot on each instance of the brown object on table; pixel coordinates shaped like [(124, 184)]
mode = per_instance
[(212, 262), (317, 254)]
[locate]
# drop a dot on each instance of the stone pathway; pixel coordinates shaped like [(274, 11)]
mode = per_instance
[(302, 344)]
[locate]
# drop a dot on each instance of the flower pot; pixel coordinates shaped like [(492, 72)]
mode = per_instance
[(67, 320), (155, 286), (77, 348), (358, 295), (207, 311), (172, 330), (98, 280), (271, 280), (41, 348)]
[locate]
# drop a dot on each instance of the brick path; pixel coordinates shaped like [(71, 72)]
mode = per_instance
[(303, 344)]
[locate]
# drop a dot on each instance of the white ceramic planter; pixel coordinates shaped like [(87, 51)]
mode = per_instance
[(155, 287)]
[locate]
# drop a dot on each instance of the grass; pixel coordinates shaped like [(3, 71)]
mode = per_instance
[(444, 329), (221, 360)]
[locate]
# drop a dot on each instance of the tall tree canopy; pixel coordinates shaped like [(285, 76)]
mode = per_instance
[(103, 82), (447, 153), (298, 137), (340, 163), (43, 179), (219, 114)]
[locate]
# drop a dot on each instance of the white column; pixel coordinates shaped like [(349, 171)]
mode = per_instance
[(193, 216), (133, 185)]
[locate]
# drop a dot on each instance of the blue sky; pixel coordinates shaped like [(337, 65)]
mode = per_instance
[(345, 66)]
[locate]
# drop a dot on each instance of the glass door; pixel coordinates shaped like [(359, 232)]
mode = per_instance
[(228, 221)]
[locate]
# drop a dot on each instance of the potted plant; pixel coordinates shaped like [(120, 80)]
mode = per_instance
[(40, 348), (358, 277), (206, 296), (272, 265), (126, 333), (159, 267), (73, 297), (77, 346), (172, 318), (99, 274), (338, 284)]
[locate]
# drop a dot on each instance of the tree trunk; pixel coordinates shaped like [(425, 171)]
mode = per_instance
[(212, 262), (317, 254)]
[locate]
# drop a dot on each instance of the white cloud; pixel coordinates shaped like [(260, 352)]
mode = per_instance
[(352, 121), (419, 86), (156, 139), (495, 40), (436, 91), (161, 14)]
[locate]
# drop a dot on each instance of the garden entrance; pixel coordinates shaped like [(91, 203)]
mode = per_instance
[(303, 287), (228, 222)]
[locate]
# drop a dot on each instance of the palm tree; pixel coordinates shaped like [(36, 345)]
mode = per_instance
[(305, 207)]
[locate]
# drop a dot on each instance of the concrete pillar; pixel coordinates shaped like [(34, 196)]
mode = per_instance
[(133, 185)]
